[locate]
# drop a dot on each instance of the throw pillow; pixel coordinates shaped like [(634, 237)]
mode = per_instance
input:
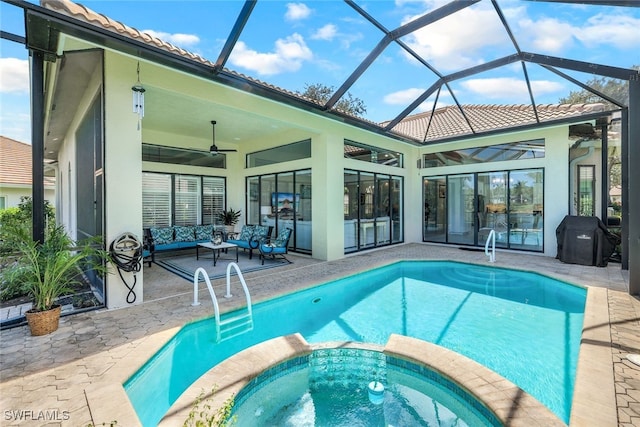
[(204, 232), (184, 234), (246, 233), (260, 233), (162, 236), (282, 238)]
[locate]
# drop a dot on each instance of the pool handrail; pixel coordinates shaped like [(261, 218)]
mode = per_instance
[(248, 317), (491, 238)]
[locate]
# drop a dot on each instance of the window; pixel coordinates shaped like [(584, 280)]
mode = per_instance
[(187, 200), (283, 200), (3, 202), (586, 188), (464, 208), (533, 149), (372, 207), (212, 198), (156, 200), (182, 156), (169, 199), (367, 153), (284, 153)]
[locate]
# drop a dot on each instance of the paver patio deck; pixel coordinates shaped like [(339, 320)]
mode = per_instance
[(49, 377)]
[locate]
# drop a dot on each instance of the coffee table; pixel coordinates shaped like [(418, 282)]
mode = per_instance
[(216, 250)]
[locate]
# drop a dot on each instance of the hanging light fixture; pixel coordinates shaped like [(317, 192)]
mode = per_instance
[(138, 98)]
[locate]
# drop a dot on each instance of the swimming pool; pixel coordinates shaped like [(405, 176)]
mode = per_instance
[(522, 325)]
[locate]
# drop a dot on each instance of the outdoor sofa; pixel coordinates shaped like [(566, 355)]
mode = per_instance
[(160, 239)]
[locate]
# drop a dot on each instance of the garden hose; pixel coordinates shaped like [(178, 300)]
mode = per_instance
[(126, 255)]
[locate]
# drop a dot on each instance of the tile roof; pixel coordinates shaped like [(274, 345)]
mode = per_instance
[(449, 122), (83, 13), (15, 162)]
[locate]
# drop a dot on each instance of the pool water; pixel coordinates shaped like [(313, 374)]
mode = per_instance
[(330, 387), (524, 326)]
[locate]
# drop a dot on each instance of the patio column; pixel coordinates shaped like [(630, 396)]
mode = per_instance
[(633, 187)]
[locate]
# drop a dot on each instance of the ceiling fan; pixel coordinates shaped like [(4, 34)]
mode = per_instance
[(214, 148)]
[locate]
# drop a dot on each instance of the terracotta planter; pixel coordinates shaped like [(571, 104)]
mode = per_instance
[(43, 322)]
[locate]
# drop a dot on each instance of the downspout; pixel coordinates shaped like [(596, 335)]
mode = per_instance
[(572, 174)]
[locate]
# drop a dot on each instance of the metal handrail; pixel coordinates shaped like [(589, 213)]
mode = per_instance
[(491, 238), (214, 300)]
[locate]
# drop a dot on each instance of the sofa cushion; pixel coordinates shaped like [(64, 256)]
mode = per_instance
[(246, 233), (260, 232), (162, 236), (204, 232), (184, 234), (283, 237)]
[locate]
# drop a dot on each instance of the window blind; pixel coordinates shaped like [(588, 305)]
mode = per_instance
[(212, 198), (156, 200), (187, 200)]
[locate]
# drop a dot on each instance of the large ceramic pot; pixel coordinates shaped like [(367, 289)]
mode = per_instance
[(43, 322)]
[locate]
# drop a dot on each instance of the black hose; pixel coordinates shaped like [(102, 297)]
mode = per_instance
[(128, 264)]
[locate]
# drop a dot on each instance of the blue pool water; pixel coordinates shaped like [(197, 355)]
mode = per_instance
[(522, 325), (330, 387)]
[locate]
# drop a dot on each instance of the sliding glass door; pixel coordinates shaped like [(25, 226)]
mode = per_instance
[(463, 209), (283, 200), (372, 210), (435, 209), (460, 209)]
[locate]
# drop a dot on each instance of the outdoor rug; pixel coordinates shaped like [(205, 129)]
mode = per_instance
[(184, 264)]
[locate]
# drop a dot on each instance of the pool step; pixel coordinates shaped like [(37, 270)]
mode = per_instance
[(234, 326)]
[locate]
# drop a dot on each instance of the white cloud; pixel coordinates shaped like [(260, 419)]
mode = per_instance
[(507, 88), (454, 42), (177, 39), (403, 97), (552, 35), (548, 35), (328, 32), (14, 75), (15, 124), (289, 55), (617, 30), (407, 96), (297, 11)]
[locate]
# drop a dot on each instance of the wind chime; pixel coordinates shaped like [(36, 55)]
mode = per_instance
[(138, 98)]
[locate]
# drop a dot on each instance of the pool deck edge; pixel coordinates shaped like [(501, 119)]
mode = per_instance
[(594, 397)]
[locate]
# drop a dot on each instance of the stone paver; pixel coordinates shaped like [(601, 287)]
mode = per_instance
[(49, 376)]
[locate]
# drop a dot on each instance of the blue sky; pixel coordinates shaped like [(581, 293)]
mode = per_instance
[(290, 44)]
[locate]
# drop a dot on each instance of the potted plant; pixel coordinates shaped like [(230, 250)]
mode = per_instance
[(49, 270), (229, 218)]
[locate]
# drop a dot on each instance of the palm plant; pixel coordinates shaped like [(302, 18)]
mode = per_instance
[(229, 217), (49, 270)]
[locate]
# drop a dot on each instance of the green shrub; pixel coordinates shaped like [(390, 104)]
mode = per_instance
[(202, 414)]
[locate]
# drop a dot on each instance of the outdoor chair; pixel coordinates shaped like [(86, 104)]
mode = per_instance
[(277, 247), (251, 237)]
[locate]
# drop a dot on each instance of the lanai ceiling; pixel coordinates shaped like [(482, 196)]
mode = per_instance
[(434, 54)]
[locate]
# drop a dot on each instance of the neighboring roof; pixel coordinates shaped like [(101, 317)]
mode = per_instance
[(15, 162), (449, 122)]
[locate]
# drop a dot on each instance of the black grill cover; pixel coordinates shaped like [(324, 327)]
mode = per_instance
[(585, 240)]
